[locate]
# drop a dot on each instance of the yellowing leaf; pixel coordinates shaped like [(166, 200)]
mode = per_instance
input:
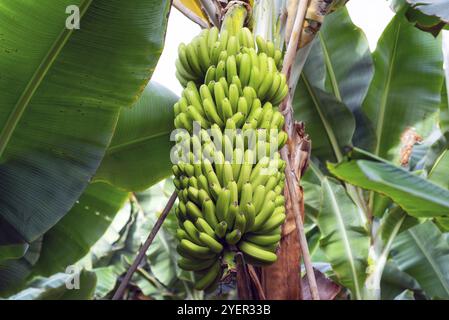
[(195, 7)]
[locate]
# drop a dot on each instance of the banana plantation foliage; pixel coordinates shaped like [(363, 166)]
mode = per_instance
[(295, 164)]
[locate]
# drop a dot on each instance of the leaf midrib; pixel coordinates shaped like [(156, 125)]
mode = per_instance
[(330, 69), (383, 105), (330, 133), (35, 81), (427, 196), (437, 162), (124, 145), (345, 241), (431, 261)]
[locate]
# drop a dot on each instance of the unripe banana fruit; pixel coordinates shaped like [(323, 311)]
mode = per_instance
[(229, 185)]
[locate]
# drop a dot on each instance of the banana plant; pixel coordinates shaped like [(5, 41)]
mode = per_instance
[(374, 122), (84, 140)]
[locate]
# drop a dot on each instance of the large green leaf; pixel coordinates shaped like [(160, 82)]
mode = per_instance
[(347, 58), (62, 90), (438, 8), (395, 281), (423, 253), (349, 68), (55, 287), (69, 240), (405, 295), (139, 154), (406, 88), (329, 122), (418, 196), (106, 281), (13, 272), (72, 237), (13, 251), (345, 240)]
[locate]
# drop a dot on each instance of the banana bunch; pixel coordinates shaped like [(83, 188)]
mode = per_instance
[(210, 47), (227, 106), (230, 186)]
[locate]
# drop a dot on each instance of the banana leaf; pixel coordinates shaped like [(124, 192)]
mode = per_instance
[(14, 271), (406, 88), (395, 281), (72, 237), (438, 8), (62, 90), (347, 58), (139, 153), (334, 82), (437, 162), (345, 239), (81, 287), (417, 196), (423, 253)]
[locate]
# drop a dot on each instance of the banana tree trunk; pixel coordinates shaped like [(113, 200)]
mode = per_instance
[(281, 280)]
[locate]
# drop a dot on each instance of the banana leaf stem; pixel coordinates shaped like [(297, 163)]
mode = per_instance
[(124, 283)]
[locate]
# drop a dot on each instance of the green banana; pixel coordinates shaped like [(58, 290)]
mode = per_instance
[(193, 249), (220, 229), (240, 222), (227, 200), (210, 276), (246, 194), (257, 252), (191, 231), (233, 237), (231, 215), (223, 202), (193, 211), (210, 242), (203, 226), (263, 240), (250, 215), (209, 213), (263, 215), (194, 265), (259, 197), (272, 223), (245, 69)]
